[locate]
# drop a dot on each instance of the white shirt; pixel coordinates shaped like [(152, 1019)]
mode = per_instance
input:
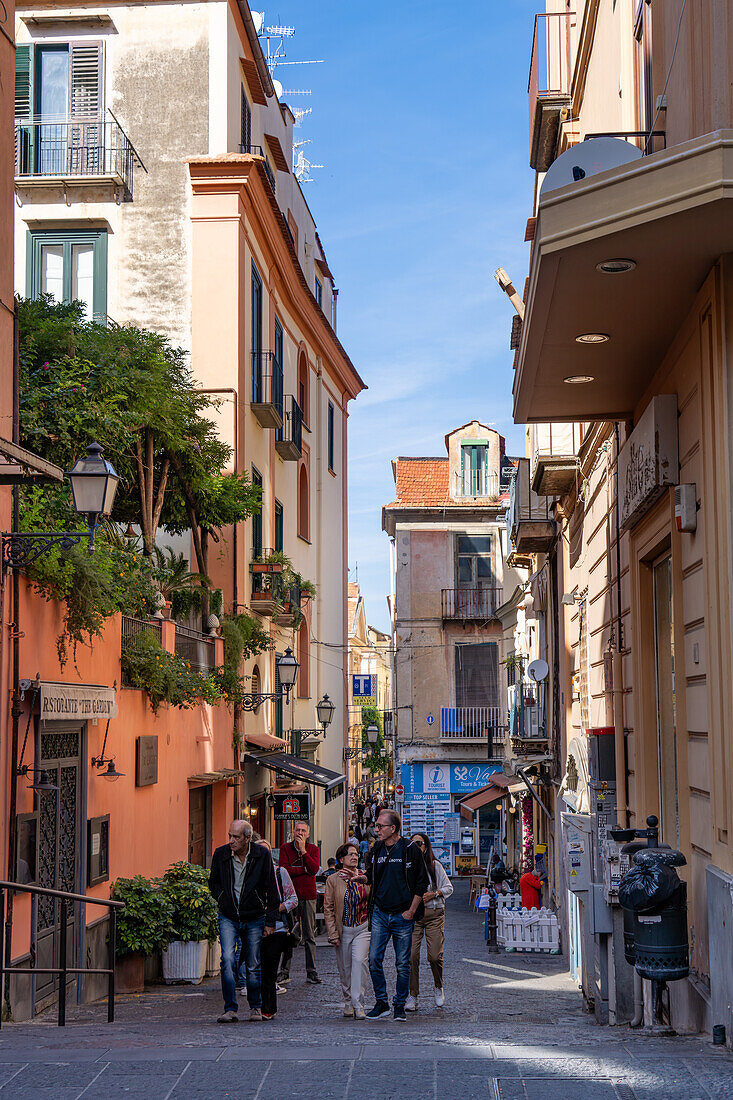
[(240, 868), (442, 883)]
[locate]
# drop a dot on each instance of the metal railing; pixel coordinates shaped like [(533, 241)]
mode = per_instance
[(267, 380), (63, 969), (252, 150), (550, 69), (484, 724), (271, 176), (642, 139), (195, 647), (470, 603), (133, 628), (76, 148), (477, 483), (292, 427)]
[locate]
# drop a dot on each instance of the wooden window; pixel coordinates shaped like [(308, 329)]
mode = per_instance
[(279, 526), (293, 230), (257, 517), (304, 507), (304, 387), (59, 81), (245, 136), (477, 675), (331, 436), (71, 266), (304, 656)]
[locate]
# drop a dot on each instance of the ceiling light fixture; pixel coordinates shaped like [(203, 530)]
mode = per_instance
[(616, 267), (592, 338), (579, 379)]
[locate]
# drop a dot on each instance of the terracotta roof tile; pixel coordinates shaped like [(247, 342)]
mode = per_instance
[(421, 481)]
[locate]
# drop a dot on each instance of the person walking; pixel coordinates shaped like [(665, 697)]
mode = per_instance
[(302, 860), (242, 882), (345, 906), (398, 878), (431, 925), (275, 945)]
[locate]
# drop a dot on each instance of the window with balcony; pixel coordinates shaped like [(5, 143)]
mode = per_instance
[(279, 534), (245, 135), (256, 294), (257, 517), (71, 266), (304, 388), (477, 675), (475, 480), (474, 566), (644, 85)]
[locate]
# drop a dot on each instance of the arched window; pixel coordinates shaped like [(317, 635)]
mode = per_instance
[(304, 656), (304, 505), (304, 387)]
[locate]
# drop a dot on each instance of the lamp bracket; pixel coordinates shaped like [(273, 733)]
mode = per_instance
[(253, 700), (23, 548)]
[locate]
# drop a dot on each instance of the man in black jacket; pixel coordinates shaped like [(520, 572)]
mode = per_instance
[(242, 880), (398, 878)]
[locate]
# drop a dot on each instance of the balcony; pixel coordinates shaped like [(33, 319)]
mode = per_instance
[(554, 449), (289, 437), (267, 389), (93, 154), (288, 611), (266, 593), (550, 75), (473, 725), (476, 484), (470, 604), (131, 629), (530, 527), (195, 647), (527, 718)]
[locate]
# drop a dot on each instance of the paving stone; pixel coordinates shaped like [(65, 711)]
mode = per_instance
[(570, 1089)]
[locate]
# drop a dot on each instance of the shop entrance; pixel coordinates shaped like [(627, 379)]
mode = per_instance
[(666, 704), (199, 826)]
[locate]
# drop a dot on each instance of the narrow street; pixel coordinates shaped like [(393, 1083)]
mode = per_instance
[(512, 1028)]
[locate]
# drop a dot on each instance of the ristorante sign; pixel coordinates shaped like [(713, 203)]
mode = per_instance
[(66, 702)]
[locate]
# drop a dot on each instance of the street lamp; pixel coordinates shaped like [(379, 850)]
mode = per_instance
[(42, 783), (287, 671), (372, 733), (383, 751), (93, 487), (325, 711)]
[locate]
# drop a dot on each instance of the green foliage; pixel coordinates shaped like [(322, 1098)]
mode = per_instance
[(146, 922), (166, 677), (243, 638), (195, 913), (372, 716), (177, 583)]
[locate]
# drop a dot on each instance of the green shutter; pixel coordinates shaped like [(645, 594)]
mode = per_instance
[(85, 81), (23, 83)]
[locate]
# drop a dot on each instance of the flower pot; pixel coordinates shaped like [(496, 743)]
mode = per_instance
[(213, 960), (185, 962), (266, 567), (130, 973)]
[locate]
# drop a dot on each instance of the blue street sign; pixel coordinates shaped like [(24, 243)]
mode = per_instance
[(430, 719)]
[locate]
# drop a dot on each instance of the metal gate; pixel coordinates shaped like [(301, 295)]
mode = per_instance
[(59, 849)]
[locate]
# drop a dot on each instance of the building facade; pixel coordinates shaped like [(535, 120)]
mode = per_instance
[(623, 372), (370, 686), (182, 214), (448, 529)]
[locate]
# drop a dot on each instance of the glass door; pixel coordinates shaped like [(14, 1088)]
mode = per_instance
[(664, 660), (52, 109)]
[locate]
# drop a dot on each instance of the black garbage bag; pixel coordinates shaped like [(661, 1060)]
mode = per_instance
[(647, 886)]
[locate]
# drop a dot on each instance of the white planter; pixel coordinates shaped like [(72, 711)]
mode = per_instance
[(185, 962), (213, 960)]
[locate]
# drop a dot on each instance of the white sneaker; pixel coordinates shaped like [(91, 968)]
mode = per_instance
[(411, 1004), (439, 997), (359, 1013), (348, 1010)]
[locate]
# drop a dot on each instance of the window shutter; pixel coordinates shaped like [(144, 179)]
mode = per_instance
[(23, 83), (85, 85), (246, 127)]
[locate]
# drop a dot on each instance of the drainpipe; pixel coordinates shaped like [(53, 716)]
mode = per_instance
[(618, 673)]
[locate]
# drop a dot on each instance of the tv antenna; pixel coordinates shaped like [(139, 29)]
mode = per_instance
[(300, 113), (301, 165)]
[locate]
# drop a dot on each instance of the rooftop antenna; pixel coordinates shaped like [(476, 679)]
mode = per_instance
[(300, 113), (301, 165)]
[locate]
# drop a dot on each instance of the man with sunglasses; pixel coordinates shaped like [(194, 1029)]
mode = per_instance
[(398, 878)]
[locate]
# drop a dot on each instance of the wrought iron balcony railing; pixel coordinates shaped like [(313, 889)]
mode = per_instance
[(289, 438), (74, 150), (482, 724), (195, 647), (267, 389), (470, 603)]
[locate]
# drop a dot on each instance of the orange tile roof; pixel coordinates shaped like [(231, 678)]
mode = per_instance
[(421, 481)]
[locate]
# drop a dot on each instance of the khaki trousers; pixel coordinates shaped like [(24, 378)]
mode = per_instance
[(432, 927)]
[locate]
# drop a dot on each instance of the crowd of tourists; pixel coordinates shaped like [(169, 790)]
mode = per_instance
[(379, 889)]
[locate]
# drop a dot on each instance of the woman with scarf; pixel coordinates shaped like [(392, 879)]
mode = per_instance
[(345, 910)]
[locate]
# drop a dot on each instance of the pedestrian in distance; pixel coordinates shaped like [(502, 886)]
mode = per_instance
[(331, 867), (363, 852), (345, 905), (274, 946), (530, 885), (242, 882), (430, 925), (398, 878), (302, 862)]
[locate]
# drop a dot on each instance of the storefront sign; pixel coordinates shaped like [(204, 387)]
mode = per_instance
[(146, 761), (292, 807), (439, 778), (649, 462), (61, 702)]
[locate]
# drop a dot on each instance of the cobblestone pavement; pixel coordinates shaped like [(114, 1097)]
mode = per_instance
[(513, 1028)]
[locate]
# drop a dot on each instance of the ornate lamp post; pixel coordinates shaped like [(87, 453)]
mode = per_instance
[(325, 711), (287, 669)]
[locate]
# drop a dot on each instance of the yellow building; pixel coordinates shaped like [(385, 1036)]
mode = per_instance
[(370, 685)]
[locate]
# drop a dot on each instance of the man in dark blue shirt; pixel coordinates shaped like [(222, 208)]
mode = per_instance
[(398, 878)]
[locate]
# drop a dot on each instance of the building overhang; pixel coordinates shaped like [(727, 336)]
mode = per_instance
[(672, 214)]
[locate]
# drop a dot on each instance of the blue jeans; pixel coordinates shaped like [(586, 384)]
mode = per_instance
[(240, 960), (384, 927)]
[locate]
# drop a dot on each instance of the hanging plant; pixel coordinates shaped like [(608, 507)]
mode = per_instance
[(166, 677), (527, 833)]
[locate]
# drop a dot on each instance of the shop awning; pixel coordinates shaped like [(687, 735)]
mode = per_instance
[(264, 740), (215, 777), (500, 786), (298, 768)]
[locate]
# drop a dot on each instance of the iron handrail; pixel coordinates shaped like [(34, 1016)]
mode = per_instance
[(63, 969)]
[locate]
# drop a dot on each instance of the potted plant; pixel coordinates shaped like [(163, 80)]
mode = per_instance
[(270, 561), (194, 922), (143, 928)]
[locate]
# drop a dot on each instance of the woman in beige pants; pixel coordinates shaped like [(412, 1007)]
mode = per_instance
[(431, 925), (345, 912)]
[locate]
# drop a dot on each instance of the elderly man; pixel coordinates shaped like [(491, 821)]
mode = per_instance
[(302, 860), (242, 880)]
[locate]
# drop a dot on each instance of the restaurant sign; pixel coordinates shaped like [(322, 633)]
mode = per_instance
[(292, 807), (81, 702), (648, 462)]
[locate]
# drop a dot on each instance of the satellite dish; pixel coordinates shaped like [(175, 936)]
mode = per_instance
[(538, 670), (258, 18), (278, 88), (588, 158)]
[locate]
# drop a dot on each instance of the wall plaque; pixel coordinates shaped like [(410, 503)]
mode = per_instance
[(146, 761), (649, 461), (97, 849)]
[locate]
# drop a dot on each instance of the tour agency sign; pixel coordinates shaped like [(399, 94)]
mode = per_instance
[(292, 807), (648, 462), (80, 702)]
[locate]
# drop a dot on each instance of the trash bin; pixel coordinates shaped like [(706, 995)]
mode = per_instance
[(660, 939)]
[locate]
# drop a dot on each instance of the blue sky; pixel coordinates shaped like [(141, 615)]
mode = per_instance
[(420, 118)]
